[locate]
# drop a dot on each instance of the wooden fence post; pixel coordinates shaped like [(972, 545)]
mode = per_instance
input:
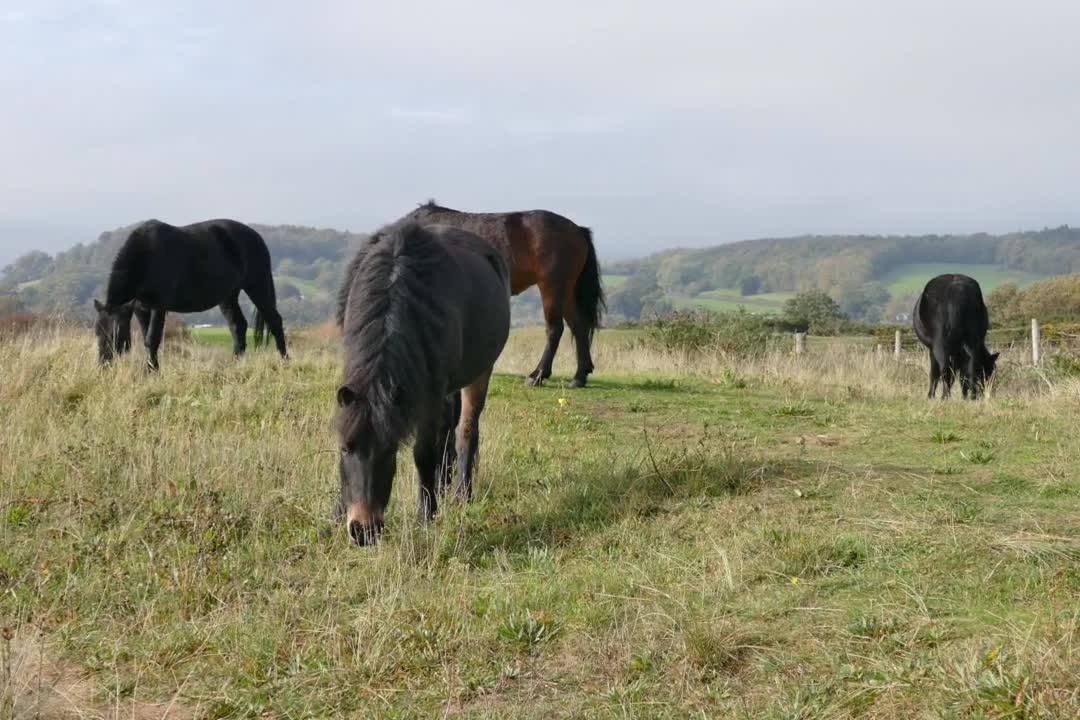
[(800, 343), (1036, 351), (896, 345)]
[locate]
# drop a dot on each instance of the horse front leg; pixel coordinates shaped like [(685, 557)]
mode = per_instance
[(426, 453), (553, 319), (153, 338)]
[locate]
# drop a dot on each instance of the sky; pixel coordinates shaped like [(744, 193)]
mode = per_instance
[(656, 124)]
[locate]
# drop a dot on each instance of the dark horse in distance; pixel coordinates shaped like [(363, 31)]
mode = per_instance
[(162, 268), (547, 250), (950, 319), (424, 313)]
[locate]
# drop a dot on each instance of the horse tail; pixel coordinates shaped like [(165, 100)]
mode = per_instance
[(260, 329), (588, 292), (261, 337)]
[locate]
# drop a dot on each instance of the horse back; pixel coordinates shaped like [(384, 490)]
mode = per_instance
[(537, 245)]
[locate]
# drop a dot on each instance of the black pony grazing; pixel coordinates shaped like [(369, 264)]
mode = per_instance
[(163, 268), (424, 312), (950, 319)]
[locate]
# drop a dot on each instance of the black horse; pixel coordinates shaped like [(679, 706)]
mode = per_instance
[(424, 312), (950, 319), (162, 268)]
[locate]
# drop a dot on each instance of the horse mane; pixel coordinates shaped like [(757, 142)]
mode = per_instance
[(432, 205), (125, 262), (393, 334)]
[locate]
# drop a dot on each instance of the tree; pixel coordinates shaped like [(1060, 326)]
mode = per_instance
[(640, 295), (750, 285), (811, 309), (865, 302)]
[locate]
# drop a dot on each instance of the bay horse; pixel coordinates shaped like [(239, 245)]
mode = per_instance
[(552, 252), (424, 313), (162, 268)]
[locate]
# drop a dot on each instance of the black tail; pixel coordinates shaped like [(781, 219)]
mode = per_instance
[(260, 330), (262, 337), (588, 293)]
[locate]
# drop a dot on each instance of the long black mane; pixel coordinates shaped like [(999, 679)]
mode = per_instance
[(393, 329), (126, 267)]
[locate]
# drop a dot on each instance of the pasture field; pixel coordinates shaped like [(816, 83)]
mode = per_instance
[(911, 279), (774, 537), (728, 299)]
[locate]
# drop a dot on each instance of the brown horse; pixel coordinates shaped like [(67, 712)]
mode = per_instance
[(547, 250), (424, 313)]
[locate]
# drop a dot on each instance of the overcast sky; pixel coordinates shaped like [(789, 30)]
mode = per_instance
[(658, 124)]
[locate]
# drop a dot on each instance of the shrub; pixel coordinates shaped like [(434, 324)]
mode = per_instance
[(694, 331)]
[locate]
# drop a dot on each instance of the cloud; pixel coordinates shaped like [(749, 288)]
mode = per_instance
[(690, 123)]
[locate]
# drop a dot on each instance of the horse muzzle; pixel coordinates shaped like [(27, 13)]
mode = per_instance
[(363, 524)]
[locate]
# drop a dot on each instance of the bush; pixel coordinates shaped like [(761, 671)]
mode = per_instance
[(14, 324), (695, 331)]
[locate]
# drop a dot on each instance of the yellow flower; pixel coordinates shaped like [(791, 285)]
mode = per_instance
[(562, 402), (794, 581)]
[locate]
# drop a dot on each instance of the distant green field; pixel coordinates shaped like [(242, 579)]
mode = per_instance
[(614, 281), (728, 299), (911, 279), (218, 336)]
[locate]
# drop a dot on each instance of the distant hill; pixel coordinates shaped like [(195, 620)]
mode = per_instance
[(871, 277)]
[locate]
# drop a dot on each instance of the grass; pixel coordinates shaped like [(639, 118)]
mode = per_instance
[(726, 300), (690, 536), (911, 279)]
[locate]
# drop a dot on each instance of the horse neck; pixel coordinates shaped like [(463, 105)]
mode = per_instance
[(121, 286)]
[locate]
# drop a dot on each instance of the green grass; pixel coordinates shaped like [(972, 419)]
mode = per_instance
[(911, 279), (777, 538)]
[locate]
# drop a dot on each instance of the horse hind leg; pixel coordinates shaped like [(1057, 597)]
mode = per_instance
[(234, 316), (581, 345), (552, 299), (266, 306), (451, 414), (473, 398)]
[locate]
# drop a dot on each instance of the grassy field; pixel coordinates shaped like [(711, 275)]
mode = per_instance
[(911, 279), (776, 537), (727, 299)]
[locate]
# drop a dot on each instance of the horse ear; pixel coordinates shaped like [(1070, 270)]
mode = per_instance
[(98, 306), (345, 396)]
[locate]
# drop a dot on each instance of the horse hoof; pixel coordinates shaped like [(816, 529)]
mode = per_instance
[(534, 381), (577, 383)]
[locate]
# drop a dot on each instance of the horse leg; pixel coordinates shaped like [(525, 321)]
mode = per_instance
[(451, 413), (426, 458), (581, 344), (553, 318), (935, 375), (234, 316), (142, 314), (473, 398), (265, 304), (153, 337)]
